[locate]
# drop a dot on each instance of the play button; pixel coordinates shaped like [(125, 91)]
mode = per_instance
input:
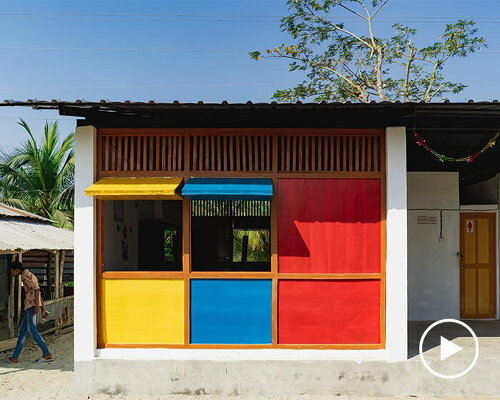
[(440, 356), (448, 348)]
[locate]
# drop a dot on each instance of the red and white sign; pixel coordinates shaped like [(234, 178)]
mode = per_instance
[(469, 226)]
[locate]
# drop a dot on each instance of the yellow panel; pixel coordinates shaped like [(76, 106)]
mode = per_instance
[(470, 242), (470, 290), (483, 240), (483, 289), (143, 311), (135, 189)]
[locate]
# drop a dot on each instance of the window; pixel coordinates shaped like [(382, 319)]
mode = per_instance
[(231, 235), (146, 235)]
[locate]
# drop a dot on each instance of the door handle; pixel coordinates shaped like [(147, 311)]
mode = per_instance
[(462, 260)]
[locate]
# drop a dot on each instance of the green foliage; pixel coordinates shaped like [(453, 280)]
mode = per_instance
[(342, 65), (259, 243), (39, 177), (169, 236)]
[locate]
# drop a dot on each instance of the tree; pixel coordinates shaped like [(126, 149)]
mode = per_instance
[(39, 178), (344, 65)]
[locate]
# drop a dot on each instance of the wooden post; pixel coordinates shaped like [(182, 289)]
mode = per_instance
[(49, 276), (57, 283), (58, 272), (61, 274), (19, 294), (10, 307)]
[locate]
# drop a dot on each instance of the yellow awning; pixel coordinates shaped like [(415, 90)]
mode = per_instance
[(135, 189)]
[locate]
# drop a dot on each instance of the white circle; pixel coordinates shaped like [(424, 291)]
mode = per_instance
[(471, 365)]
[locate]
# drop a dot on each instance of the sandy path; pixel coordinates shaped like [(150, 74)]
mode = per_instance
[(54, 381)]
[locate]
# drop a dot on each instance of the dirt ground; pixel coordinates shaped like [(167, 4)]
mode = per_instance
[(54, 381)]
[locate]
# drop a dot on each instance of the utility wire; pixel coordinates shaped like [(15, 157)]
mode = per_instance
[(392, 17), (243, 18), (159, 49)]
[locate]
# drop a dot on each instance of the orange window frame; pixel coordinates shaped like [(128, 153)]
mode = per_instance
[(186, 274)]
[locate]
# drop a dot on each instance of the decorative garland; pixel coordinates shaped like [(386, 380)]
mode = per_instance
[(441, 157)]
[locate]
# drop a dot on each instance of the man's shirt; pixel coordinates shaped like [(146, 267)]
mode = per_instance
[(30, 284)]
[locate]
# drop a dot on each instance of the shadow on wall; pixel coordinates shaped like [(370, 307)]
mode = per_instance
[(329, 225)]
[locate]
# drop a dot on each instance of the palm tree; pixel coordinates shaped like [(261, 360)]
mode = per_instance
[(39, 177)]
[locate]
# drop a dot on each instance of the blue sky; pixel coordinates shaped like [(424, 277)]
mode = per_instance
[(198, 50)]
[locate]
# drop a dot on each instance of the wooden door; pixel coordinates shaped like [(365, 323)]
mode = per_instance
[(477, 265)]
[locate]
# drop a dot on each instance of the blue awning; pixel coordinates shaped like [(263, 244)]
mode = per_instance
[(228, 189)]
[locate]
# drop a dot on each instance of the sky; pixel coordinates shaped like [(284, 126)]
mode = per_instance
[(187, 50)]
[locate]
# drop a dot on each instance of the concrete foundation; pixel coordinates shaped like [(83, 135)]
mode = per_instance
[(252, 378), (289, 377)]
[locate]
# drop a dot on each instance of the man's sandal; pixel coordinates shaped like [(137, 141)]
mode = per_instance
[(44, 360)]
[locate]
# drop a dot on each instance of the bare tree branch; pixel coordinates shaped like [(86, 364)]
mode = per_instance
[(406, 89), (339, 2), (379, 8)]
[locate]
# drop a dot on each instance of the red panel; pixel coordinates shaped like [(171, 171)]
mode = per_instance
[(329, 225), (329, 312)]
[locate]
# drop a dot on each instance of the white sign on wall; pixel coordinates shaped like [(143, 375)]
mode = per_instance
[(426, 220)]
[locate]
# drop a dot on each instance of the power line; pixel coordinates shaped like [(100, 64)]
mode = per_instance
[(181, 85), (188, 85), (159, 49), (243, 18), (229, 15)]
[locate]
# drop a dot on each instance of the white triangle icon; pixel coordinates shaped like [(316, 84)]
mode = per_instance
[(448, 348)]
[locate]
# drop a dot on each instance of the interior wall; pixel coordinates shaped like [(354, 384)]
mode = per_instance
[(433, 245), (121, 250)]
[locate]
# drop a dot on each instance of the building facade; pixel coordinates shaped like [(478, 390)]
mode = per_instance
[(240, 243), (263, 249)]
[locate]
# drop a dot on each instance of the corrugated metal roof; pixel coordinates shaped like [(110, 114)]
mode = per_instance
[(18, 234), (12, 212), (55, 104)]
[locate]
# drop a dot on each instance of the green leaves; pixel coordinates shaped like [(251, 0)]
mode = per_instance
[(342, 64), (39, 177), (255, 55)]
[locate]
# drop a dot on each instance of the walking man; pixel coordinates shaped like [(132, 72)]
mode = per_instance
[(32, 304)]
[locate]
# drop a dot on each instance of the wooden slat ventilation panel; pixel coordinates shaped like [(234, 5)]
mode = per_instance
[(234, 152), (230, 208), (329, 153), (231, 152), (155, 152)]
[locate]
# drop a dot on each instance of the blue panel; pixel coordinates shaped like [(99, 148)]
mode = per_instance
[(228, 189), (230, 311)]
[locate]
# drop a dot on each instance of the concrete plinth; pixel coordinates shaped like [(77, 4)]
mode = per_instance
[(293, 377), (252, 378)]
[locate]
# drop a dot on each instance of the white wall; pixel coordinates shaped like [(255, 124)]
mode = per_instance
[(433, 190), (85, 250), (396, 261), (433, 264)]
